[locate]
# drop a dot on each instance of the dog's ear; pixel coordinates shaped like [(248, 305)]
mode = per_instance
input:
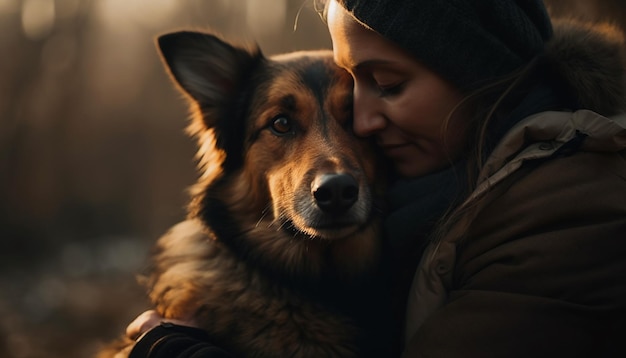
[(207, 68)]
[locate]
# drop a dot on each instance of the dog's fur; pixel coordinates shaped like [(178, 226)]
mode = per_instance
[(280, 254)]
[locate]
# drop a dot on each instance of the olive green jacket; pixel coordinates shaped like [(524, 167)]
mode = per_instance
[(536, 264)]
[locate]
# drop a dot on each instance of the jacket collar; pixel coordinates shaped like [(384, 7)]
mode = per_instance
[(546, 134)]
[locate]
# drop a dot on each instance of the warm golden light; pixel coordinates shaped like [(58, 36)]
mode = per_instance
[(266, 17), (37, 18), (94, 161), (8, 6)]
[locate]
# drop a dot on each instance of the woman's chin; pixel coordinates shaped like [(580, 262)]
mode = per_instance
[(413, 167)]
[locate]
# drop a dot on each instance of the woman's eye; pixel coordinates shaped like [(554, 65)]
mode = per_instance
[(281, 125), (390, 90)]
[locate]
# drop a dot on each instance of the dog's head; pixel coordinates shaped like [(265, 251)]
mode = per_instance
[(284, 181)]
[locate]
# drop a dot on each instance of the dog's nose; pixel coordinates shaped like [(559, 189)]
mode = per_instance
[(335, 193)]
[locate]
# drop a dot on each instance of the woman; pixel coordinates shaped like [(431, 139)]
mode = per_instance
[(510, 149)]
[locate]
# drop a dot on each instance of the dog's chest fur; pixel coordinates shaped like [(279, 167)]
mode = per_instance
[(247, 312)]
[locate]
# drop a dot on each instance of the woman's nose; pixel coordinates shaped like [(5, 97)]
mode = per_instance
[(368, 119)]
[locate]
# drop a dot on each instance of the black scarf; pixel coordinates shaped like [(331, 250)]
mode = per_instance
[(417, 204)]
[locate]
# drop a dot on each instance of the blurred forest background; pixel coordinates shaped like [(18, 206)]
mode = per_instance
[(94, 162)]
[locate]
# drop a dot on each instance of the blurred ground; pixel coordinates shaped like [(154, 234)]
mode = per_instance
[(93, 158)]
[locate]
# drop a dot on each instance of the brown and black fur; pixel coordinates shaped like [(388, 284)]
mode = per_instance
[(280, 254)]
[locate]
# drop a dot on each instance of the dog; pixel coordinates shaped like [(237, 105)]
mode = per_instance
[(280, 255)]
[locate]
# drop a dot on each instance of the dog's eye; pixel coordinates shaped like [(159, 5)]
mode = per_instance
[(281, 125)]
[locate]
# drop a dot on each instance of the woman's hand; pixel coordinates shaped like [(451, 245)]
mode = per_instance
[(148, 320), (158, 337)]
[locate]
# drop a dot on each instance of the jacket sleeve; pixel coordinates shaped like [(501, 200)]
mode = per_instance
[(172, 341), (541, 272)]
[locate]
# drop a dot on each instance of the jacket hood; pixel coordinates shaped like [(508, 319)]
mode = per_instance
[(591, 60)]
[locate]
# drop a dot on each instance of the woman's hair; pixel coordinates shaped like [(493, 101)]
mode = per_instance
[(487, 107), (321, 8)]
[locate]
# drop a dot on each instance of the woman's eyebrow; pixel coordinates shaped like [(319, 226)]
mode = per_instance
[(372, 62), (351, 65)]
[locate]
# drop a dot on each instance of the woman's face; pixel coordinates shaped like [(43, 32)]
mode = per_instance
[(402, 103)]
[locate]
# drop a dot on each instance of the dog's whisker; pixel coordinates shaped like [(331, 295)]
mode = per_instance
[(263, 214), (282, 225)]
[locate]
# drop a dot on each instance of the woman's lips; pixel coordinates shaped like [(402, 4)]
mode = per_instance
[(394, 149)]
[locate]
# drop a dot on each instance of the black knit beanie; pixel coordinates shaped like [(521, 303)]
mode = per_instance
[(468, 42)]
